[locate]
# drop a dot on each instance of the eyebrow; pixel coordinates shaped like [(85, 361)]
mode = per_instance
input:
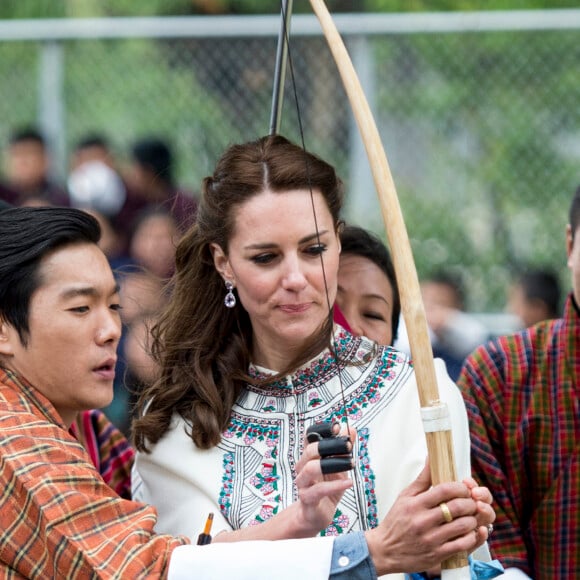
[(86, 291), (303, 240), (378, 296)]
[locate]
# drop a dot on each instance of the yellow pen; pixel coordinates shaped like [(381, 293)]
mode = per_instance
[(205, 538)]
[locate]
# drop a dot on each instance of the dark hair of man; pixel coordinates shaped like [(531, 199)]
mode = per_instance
[(452, 280), (27, 134), (155, 155), (27, 234), (357, 241), (203, 348), (93, 140), (543, 286)]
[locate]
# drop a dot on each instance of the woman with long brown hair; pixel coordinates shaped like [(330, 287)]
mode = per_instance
[(250, 359)]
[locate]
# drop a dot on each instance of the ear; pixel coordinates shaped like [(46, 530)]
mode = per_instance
[(340, 225), (221, 262), (7, 335)]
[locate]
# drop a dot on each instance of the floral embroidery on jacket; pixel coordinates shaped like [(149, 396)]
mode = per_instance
[(226, 491), (368, 478), (264, 438), (338, 526)]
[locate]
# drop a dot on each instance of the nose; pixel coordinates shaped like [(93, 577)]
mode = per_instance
[(355, 326), (294, 278), (109, 328)]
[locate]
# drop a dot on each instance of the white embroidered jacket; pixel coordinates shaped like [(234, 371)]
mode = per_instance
[(249, 476)]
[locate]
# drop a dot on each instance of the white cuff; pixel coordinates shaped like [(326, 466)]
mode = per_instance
[(258, 560)]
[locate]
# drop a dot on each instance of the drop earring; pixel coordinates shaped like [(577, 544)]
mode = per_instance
[(230, 299)]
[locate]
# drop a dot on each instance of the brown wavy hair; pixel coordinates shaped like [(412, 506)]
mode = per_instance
[(202, 347)]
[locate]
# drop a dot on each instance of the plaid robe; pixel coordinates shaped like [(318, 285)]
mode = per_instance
[(58, 517), (522, 398), (108, 449)]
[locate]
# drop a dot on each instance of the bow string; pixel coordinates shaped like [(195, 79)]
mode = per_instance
[(280, 69)]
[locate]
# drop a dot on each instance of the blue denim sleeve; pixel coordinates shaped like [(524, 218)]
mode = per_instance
[(351, 559)]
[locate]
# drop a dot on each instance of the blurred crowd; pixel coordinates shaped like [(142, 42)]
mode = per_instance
[(142, 211)]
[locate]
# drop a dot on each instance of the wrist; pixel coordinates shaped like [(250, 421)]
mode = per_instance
[(296, 523), (378, 554)]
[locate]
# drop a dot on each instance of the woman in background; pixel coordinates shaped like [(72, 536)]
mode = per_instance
[(367, 295)]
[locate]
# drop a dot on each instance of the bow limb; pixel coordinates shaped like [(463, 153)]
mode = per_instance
[(435, 414), (280, 70)]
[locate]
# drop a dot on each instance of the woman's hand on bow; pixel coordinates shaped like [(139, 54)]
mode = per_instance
[(427, 525)]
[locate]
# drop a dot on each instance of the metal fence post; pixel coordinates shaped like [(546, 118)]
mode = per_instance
[(51, 115), (361, 199)]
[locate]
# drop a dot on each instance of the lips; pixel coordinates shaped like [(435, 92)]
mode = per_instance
[(295, 308), (106, 370)]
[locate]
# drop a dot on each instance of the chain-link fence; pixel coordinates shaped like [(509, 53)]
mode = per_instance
[(478, 113)]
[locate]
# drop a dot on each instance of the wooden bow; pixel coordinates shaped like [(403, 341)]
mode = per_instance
[(439, 441)]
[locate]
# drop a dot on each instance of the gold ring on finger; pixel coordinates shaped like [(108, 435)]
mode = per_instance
[(446, 512)]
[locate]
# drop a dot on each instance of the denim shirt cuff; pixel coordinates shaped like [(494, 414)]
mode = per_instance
[(351, 559)]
